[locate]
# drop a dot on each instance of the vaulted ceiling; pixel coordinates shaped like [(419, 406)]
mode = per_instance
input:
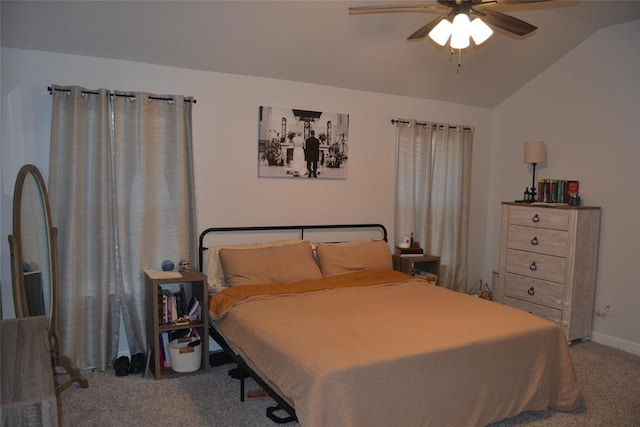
[(312, 41)]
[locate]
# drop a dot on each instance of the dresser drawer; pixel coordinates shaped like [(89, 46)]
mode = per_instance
[(549, 294), (545, 312), (538, 266), (541, 240), (539, 217)]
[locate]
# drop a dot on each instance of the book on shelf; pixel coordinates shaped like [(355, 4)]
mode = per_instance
[(194, 309), (428, 276), (171, 306), (180, 301), (165, 361)]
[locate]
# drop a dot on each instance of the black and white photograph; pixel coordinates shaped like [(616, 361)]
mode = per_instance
[(302, 144)]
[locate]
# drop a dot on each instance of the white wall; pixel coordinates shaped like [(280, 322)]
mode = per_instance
[(586, 108), (225, 122)]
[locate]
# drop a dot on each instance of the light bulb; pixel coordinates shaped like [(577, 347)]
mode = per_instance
[(480, 31), (461, 31), (441, 32)]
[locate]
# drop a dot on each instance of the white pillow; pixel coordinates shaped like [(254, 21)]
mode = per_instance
[(213, 266)]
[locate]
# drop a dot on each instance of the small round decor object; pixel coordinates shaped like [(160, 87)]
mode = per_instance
[(167, 265), (26, 267), (184, 265)]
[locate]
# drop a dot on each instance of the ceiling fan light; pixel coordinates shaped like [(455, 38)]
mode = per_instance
[(441, 32), (461, 31), (480, 31)]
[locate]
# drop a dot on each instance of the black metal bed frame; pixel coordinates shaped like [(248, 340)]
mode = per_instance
[(243, 368)]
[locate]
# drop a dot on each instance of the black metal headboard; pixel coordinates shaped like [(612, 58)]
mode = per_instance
[(300, 228)]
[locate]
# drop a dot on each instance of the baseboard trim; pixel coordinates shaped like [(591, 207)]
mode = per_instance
[(629, 346)]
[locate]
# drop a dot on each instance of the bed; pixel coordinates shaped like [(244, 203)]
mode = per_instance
[(338, 338)]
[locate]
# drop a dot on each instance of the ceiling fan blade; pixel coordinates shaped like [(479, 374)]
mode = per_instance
[(396, 8), (505, 22), (422, 32)]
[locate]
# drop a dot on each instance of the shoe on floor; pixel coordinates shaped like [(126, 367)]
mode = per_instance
[(121, 366), (137, 363)]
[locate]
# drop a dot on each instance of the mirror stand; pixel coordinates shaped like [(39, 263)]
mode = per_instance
[(34, 265), (67, 364)]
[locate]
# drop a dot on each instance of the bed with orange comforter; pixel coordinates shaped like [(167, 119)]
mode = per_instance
[(382, 348)]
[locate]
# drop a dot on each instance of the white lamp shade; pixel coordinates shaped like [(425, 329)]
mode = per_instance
[(441, 32), (535, 152), (461, 31), (480, 31)]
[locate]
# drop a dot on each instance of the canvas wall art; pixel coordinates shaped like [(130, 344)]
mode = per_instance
[(302, 144)]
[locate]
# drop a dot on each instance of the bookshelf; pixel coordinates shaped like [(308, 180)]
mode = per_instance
[(194, 284)]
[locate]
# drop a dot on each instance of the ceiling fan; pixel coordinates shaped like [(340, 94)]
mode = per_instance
[(455, 20)]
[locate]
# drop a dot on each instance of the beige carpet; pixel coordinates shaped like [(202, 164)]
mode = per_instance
[(610, 381)]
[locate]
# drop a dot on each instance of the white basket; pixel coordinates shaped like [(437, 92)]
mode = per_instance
[(184, 358)]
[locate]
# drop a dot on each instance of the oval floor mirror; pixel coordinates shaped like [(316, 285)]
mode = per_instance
[(34, 263)]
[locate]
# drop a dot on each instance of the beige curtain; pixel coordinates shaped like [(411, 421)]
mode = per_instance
[(433, 178), (122, 196)]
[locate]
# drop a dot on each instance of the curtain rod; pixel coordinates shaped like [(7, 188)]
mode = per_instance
[(155, 98), (405, 122)]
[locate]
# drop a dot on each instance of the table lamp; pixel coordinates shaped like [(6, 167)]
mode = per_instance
[(534, 153)]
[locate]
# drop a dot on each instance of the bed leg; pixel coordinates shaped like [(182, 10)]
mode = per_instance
[(241, 383)]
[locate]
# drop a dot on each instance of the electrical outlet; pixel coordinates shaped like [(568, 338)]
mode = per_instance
[(604, 312)]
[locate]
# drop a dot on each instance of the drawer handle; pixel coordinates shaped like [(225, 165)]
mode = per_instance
[(534, 241), (535, 218), (533, 266), (531, 291)]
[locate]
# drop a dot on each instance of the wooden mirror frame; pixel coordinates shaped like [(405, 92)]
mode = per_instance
[(21, 304)]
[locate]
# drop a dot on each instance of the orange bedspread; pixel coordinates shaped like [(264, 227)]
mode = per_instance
[(397, 352)]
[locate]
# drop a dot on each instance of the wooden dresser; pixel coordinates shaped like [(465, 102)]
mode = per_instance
[(548, 260)]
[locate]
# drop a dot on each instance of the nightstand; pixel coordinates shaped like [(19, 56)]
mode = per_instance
[(413, 264), (159, 329)]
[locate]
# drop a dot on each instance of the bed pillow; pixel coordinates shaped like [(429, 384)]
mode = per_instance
[(314, 245), (275, 264), (215, 272), (351, 258)]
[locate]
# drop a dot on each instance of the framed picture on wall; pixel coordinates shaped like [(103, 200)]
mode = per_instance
[(302, 144)]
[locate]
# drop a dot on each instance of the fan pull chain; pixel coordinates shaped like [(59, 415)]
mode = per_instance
[(452, 51)]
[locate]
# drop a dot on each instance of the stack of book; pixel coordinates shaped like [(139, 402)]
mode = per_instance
[(172, 308), (172, 305), (411, 251), (556, 190)]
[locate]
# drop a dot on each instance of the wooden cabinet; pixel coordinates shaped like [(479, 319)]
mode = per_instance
[(414, 264), (548, 260), (195, 284)]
